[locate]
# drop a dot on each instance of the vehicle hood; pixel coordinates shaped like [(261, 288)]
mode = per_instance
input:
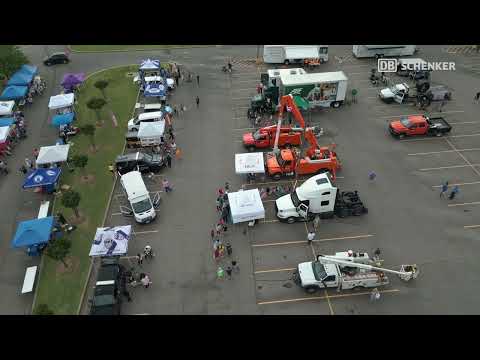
[(130, 122), (157, 159), (306, 273), (386, 93), (284, 203), (248, 139), (272, 162), (397, 126)]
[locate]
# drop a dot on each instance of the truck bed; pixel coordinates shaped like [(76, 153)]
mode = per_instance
[(439, 123)]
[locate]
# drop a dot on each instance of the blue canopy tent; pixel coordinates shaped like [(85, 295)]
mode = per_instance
[(6, 121), (63, 119), (46, 178), (14, 92), (155, 90), (20, 78), (33, 234), (30, 69)]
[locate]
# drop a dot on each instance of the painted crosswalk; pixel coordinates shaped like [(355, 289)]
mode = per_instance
[(245, 63), (346, 58), (462, 49)]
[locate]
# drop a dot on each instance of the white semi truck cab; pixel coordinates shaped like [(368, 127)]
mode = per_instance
[(317, 196)]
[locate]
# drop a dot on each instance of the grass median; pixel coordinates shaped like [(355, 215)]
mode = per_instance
[(106, 48), (61, 287)]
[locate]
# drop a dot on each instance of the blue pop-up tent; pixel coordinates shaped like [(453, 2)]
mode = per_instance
[(33, 232), (14, 92), (154, 90), (20, 78), (6, 121), (63, 119), (30, 69), (42, 177)]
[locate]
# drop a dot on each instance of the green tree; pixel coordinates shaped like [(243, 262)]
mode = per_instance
[(80, 161), (11, 59), (89, 130), (101, 85), (58, 249), (71, 199), (96, 104), (43, 309)]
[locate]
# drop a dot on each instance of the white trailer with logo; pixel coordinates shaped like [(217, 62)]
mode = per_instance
[(379, 51), (290, 54)]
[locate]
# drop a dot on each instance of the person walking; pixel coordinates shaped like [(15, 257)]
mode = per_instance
[(148, 252), (235, 266), (198, 80), (175, 110), (3, 167), (168, 157), (372, 176), (28, 163), (111, 169), (166, 186), (182, 108), (229, 249), (441, 105), (178, 154), (229, 272), (216, 244), (219, 206), (61, 218), (227, 186), (316, 222), (216, 254), (171, 136), (310, 237), (220, 273), (212, 234), (477, 96), (23, 169), (374, 295), (444, 189), (146, 282), (197, 100), (454, 192), (35, 153), (139, 258), (219, 229)]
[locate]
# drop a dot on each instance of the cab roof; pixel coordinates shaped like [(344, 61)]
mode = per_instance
[(287, 155)]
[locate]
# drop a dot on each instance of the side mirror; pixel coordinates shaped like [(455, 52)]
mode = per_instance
[(156, 204)]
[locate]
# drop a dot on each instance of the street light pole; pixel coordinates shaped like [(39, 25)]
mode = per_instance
[(258, 54)]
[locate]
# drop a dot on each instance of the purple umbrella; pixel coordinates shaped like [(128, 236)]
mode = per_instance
[(71, 80)]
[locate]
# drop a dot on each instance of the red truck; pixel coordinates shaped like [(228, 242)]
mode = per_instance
[(265, 137), (419, 125)]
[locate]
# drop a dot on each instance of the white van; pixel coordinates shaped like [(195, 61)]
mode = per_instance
[(379, 51), (290, 54), (142, 207), (134, 124)]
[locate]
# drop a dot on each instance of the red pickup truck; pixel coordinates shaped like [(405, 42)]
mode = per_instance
[(265, 137), (419, 125)]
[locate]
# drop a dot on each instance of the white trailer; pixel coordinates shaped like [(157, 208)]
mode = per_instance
[(326, 89), (347, 270), (379, 51), (290, 54)]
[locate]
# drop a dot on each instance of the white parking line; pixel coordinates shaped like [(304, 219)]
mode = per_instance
[(320, 240), (458, 184), (463, 122), (273, 270), (443, 112), (443, 151), (145, 232), (447, 167), (269, 221), (440, 137), (465, 204), (463, 157), (471, 226)]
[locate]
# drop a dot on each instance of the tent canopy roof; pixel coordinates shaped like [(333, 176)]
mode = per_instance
[(6, 121), (52, 154), (14, 92), (6, 107), (63, 119), (4, 130), (249, 163), (41, 177), (31, 69), (32, 232), (61, 101), (20, 78), (150, 64), (151, 129)]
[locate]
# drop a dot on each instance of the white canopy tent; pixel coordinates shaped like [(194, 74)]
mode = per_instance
[(52, 154), (4, 131), (150, 133), (61, 101), (246, 206), (249, 163), (111, 241), (6, 107)]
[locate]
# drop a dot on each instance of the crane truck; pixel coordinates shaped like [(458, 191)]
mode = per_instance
[(347, 270), (289, 161)]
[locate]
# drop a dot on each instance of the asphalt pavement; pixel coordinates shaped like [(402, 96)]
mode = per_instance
[(406, 219)]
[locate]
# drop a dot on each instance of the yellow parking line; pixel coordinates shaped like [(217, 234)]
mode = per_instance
[(272, 270), (464, 204), (323, 297), (320, 240)]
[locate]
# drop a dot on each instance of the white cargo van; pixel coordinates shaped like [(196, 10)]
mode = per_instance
[(290, 54), (142, 207), (379, 51), (134, 124)]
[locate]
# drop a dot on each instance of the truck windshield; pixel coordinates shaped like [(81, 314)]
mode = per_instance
[(257, 135), (147, 158), (405, 122), (142, 206), (319, 270), (295, 200)]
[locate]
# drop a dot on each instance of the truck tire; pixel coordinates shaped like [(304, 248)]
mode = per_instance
[(311, 289), (336, 104), (447, 96), (251, 148), (291, 220), (401, 136), (439, 133), (277, 176), (286, 62)]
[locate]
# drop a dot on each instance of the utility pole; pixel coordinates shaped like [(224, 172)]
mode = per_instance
[(258, 55)]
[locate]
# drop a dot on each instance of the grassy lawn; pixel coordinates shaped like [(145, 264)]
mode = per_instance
[(60, 288), (122, 47)]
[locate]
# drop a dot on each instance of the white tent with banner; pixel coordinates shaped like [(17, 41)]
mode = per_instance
[(6, 107), (61, 101), (249, 163), (111, 241), (150, 133), (246, 205), (52, 154)]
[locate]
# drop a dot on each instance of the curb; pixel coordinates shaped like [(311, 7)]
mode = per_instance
[(82, 298), (134, 50)]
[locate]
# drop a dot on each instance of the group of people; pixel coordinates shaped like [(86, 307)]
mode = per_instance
[(223, 206), (275, 191), (444, 190), (17, 132)]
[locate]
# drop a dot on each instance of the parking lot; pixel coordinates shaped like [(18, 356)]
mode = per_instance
[(407, 219)]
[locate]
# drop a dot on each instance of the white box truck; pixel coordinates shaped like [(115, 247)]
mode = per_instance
[(379, 51), (320, 89), (317, 196), (134, 124), (290, 54), (142, 207)]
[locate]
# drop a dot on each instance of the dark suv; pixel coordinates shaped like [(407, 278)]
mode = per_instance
[(107, 298), (56, 58), (139, 161)]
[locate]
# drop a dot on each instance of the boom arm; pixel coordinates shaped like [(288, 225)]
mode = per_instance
[(287, 101), (334, 260)]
